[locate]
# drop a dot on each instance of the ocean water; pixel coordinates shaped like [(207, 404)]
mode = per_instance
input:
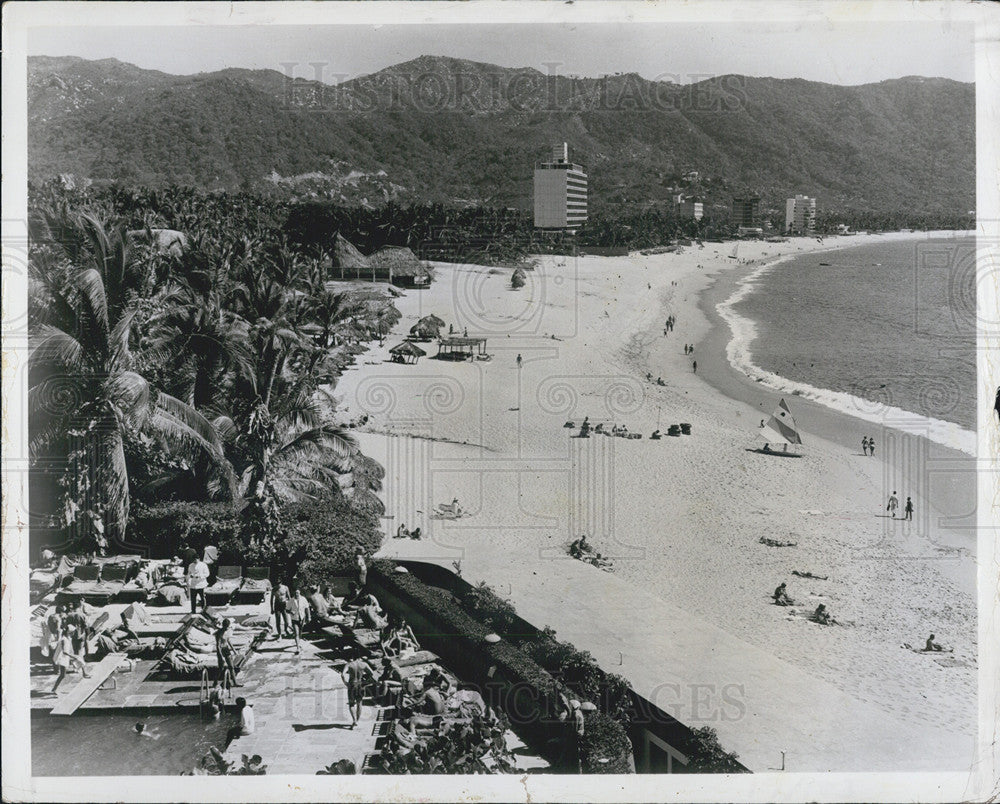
[(890, 323)]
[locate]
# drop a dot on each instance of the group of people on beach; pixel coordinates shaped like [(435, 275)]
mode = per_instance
[(581, 550), (893, 506), (403, 533), (868, 445), (820, 615)]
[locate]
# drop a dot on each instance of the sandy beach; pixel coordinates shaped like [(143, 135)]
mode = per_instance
[(682, 518)]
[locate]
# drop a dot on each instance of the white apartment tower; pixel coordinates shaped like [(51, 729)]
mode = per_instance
[(800, 215), (560, 192)]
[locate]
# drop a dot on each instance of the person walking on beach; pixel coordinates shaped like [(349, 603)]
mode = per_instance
[(893, 504), (694, 366), (864, 444), (871, 446), (519, 361), (908, 509)]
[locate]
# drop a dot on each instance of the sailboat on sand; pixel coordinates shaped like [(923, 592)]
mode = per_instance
[(780, 432)]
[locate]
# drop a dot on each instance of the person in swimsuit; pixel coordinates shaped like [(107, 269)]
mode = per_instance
[(356, 674)]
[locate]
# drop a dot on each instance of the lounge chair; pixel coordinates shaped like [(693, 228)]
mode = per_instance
[(42, 581), (193, 650), (255, 587), (226, 583), (87, 586)]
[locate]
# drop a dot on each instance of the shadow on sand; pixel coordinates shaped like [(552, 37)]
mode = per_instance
[(774, 453)]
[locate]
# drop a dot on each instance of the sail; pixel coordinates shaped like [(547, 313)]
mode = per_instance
[(780, 428)]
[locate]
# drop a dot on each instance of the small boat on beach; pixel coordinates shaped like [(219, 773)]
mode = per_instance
[(781, 430)]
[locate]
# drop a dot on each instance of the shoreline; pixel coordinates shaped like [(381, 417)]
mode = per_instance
[(813, 417), (682, 518), (740, 356)]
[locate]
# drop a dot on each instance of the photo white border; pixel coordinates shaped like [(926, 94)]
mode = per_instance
[(979, 784)]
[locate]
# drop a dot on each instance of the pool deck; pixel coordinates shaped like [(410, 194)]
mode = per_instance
[(134, 689), (300, 711), (302, 724)]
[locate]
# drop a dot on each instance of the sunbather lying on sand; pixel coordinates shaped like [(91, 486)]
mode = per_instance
[(600, 561)]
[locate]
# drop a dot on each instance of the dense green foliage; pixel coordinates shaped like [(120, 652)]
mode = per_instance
[(707, 756), (321, 536), (166, 526), (179, 346), (459, 132)]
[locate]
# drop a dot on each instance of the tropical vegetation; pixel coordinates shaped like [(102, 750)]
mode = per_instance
[(189, 374)]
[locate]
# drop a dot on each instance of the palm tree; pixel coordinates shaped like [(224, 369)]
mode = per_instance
[(85, 397), (196, 336)]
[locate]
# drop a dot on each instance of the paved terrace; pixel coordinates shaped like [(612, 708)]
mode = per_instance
[(664, 652), (302, 723)]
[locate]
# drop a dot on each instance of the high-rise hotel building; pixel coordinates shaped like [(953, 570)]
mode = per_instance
[(800, 215), (560, 192)]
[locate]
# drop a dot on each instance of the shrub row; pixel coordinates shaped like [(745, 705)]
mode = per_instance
[(317, 541)]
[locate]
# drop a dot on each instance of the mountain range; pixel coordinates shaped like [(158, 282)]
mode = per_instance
[(454, 131)]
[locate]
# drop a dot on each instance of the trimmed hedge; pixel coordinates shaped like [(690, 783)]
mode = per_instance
[(166, 526), (526, 692), (604, 747)]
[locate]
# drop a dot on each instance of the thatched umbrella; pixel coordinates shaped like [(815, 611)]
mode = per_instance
[(407, 352), (427, 327)]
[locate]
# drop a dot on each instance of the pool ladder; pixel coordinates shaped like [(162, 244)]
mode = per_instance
[(205, 690)]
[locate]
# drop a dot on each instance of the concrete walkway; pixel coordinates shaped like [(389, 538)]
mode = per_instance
[(759, 705), (300, 711)]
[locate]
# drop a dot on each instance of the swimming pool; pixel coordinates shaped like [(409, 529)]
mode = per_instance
[(106, 744)]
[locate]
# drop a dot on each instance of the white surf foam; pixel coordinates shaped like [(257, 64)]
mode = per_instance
[(740, 357)]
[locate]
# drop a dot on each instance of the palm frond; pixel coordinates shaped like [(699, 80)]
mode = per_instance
[(89, 285), (329, 439), (54, 346), (189, 417)]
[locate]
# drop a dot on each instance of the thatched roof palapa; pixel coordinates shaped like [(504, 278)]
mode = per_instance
[(407, 348), (429, 326), (399, 262), (348, 260)]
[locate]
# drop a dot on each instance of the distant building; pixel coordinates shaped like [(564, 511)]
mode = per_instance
[(560, 192), (685, 206), (800, 215), (745, 210)]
